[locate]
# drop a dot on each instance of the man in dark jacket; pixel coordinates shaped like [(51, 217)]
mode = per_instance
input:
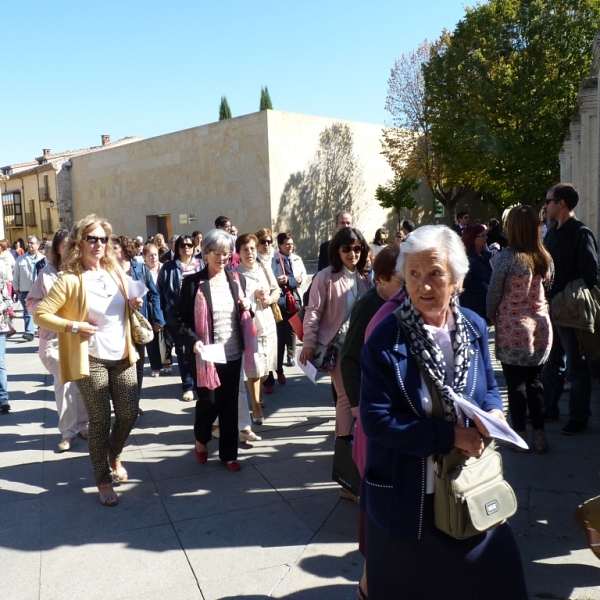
[(462, 222), (342, 219), (575, 254)]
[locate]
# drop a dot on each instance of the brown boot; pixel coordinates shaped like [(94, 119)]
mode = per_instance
[(539, 441)]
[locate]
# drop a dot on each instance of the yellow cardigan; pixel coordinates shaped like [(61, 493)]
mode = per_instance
[(67, 301)]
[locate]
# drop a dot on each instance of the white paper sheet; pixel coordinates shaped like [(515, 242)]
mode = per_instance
[(214, 353), (497, 428), (136, 288), (308, 369)]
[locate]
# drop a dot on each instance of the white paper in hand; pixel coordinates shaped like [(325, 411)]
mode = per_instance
[(214, 353), (136, 288), (496, 428), (309, 369)]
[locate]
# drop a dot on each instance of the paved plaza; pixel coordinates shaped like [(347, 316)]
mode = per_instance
[(277, 529)]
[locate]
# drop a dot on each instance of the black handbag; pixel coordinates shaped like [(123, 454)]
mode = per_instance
[(345, 472)]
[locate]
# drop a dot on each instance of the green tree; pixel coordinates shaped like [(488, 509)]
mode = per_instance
[(224, 110), (407, 144), (265, 99), (398, 194), (501, 93)]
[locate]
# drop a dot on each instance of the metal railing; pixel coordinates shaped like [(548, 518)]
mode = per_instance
[(47, 226), (30, 219)]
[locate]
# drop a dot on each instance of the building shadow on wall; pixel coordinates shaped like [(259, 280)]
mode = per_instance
[(332, 182)]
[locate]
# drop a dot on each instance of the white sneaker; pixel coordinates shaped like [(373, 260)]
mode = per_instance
[(249, 437), (188, 396)]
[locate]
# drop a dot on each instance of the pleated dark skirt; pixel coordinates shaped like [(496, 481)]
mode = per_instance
[(438, 566)]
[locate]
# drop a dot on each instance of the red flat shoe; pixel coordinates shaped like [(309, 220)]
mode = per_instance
[(281, 379), (201, 457), (268, 389), (233, 465)]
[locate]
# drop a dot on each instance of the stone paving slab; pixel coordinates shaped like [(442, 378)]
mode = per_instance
[(277, 529)]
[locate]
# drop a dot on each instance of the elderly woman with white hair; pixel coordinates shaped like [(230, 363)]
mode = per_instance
[(213, 314), (411, 364)]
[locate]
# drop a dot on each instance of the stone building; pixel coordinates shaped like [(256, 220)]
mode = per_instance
[(36, 195), (580, 154), (267, 169)]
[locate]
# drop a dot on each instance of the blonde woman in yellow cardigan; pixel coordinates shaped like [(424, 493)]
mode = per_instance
[(87, 307)]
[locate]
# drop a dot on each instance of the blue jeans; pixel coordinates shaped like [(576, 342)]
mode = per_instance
[(29, 330), (3, 376), (565, 345)]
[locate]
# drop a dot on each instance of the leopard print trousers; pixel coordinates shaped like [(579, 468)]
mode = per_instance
[(116, 379)]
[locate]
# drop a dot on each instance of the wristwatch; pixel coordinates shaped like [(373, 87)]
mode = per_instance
[(75, 327)]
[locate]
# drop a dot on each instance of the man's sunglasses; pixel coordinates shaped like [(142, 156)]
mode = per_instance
[(94, 239)]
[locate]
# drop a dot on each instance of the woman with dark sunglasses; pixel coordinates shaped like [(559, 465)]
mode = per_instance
[(169, 283), (334, 292), (88, 308)]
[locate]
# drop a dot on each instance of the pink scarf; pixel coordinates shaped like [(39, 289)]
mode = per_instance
[(206, 372)]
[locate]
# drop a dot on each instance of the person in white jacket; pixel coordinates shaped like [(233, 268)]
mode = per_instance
[(72, 414)]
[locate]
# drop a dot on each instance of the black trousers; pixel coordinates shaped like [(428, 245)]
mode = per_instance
[(222, 403), (139, 367), (525, 390), (286, 337)]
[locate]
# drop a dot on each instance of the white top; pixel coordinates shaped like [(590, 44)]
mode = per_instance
[(442, 336), (107, 307), (257, 280), (225, 319)]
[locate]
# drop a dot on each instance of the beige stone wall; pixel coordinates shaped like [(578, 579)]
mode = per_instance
[(580, 154), (298, 173), (219, 168)]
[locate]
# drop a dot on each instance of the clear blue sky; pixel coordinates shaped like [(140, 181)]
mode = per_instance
[(75, 70)]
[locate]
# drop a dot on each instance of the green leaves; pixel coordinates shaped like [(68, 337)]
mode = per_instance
[(501, 93), (265, 99), (224, 110), (398, 194)]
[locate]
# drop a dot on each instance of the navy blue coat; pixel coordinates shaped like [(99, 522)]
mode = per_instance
[(400, 435), (140, 272)]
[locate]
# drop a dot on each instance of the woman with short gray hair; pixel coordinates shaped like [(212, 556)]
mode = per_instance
[(413, 364), (213, 310)]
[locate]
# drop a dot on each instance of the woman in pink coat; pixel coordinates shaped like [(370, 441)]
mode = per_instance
[(333, 294)]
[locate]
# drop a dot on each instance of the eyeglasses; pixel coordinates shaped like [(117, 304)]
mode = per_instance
[(94, 239), (548, 200), (346, 249), (221, 255), (482, 235), (187, 245), (265, 241)]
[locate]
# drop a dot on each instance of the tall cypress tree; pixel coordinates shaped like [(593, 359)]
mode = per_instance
[(224, 110), (265, 99)]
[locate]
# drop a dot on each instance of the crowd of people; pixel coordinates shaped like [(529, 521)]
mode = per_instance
[(400, 325)]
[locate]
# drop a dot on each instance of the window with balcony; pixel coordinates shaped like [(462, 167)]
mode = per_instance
[(30, 215), (12, 209)]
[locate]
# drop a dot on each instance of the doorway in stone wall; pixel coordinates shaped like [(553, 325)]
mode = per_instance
[(159, 224)]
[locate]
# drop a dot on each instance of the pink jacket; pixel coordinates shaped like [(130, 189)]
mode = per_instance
[(326, 307)]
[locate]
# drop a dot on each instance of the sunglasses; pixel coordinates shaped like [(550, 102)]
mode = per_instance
[(548, 200), (187, 245), (94, 239), (265, 242), (346, 249)]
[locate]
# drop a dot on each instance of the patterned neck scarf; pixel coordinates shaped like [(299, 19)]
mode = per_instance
[(427, 352)]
